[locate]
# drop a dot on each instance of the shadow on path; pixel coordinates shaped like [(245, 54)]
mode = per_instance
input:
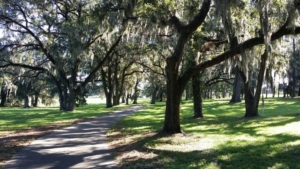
[(83, 145)]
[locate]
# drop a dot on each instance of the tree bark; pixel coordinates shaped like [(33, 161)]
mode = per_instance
[(236, 95), (136, 92), (251, 110), (175, 83), (107, 87), (154, 93), (197, 97), (252, 101), (127, 98), (172, 114), (3, 96)]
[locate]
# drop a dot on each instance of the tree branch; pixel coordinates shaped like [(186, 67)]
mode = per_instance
[(192, 71)]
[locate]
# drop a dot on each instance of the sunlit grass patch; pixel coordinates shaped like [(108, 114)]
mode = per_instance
[(15, 119), (222, 139)]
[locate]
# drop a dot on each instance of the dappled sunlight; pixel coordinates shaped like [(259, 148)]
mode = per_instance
[(184, 144), (222, 139), (246, 137), (290, 128)]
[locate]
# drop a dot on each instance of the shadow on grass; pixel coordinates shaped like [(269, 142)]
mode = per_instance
[(266, 154), (247, 144)]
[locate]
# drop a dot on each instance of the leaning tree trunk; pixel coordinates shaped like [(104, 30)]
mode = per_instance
[(236, 95), (197, 97)]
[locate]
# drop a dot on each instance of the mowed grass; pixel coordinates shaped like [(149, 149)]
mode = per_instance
[(223, 139), (16, 119)]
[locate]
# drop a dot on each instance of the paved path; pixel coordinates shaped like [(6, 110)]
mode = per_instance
[(81, 146)]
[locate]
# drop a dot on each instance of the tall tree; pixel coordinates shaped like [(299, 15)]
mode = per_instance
[(177, 81), (75, 37)]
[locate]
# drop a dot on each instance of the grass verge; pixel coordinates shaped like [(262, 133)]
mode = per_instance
[(18, 126), (223, 139)]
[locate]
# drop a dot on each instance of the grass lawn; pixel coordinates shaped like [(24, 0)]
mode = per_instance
[(19, 126), (223, 139)]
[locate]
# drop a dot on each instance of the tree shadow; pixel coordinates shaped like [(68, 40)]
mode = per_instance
[(265, 154)]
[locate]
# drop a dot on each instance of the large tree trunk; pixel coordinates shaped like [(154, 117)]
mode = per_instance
[(3, 96), (107, 87), (108, 97), (127, 98), (251, 110), (60, 96), (65, 98), (252, 101), (154, 93), (172, 114), (175, 83), (72, 99), (197, 97), (236, 95), (136, 92), (116, 100)]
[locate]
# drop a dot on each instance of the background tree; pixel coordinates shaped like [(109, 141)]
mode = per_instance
[(75, 37)]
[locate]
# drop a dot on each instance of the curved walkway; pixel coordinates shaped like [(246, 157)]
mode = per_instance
[(81, 146)]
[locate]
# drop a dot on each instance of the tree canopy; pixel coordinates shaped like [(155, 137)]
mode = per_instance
[(118, 43)]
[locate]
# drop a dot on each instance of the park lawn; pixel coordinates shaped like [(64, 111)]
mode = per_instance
[(19, 126), (16, 119), (223, 139)]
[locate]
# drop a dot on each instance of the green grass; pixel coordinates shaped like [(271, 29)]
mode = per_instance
[(15, 119), (223, 139)]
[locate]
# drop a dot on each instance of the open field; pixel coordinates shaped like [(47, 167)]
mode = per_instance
[(223, 139), (19, 126)]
